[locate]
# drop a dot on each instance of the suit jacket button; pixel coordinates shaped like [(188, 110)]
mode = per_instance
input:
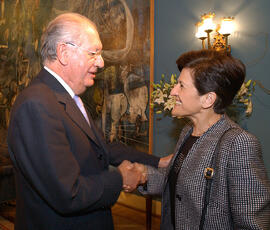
[(178, 197)]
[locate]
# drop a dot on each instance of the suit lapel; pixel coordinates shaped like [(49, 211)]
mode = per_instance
[(75, 114), (69, 104)]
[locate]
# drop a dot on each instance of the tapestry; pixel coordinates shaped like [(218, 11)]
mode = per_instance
[(6, 224), (118, 101)]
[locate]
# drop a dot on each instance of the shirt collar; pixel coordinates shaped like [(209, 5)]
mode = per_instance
[(61, 81)]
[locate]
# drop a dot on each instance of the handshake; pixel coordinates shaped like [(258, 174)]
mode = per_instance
[(133, 174)]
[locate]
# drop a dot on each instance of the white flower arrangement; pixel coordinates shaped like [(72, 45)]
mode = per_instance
[(161, 100), (243, 97)]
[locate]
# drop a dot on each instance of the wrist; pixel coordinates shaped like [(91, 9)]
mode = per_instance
[(144, 175)]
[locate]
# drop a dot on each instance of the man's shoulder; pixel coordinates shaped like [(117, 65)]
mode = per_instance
[(36, 93), (37, 89)]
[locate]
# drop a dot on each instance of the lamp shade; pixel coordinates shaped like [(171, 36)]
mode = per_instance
[(200, 33), (227, 26), (208, 24)]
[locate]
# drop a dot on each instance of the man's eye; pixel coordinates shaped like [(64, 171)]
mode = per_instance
[(94, 54)]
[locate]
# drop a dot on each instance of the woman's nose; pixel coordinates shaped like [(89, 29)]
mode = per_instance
[(174, 91)]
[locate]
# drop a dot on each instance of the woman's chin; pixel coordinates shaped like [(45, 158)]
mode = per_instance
[(175, 113)]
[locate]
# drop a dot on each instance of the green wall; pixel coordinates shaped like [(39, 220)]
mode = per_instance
[(175, 33)]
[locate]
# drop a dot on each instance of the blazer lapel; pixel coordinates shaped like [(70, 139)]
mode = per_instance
[(183, 136), (200, 155), (212, 136)]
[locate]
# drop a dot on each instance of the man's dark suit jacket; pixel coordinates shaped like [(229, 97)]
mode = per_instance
[(61, 164)]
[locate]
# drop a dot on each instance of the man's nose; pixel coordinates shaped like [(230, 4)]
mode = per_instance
[(100, 62)]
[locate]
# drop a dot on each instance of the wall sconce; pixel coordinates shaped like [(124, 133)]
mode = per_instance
[(223, 30)]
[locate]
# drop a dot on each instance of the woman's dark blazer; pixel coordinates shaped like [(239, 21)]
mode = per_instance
[(61, 163), (240, 193)]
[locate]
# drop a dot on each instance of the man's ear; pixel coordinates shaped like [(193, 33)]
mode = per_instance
[(62, 53), (209, 100)]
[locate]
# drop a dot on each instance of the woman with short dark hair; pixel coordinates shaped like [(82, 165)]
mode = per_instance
[(216, 178), (214, 71)]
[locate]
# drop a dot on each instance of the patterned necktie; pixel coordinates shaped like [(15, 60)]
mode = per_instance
[(79, 103)]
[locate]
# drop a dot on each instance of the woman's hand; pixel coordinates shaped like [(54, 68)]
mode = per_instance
[(164, 161)]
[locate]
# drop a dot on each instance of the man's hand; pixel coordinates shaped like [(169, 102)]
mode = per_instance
[(164, 161), (132, 176)]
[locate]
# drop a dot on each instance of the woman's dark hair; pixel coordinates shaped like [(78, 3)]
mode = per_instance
[(214, 71)]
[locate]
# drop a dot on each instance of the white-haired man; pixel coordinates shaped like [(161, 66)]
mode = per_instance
[(61, 161)]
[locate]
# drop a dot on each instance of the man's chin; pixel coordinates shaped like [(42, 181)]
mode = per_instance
[(90, 82)]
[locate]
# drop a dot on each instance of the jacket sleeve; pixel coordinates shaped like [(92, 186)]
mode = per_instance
[(155, 181), (120, 152), (40, 149), (156, 177), (249, 187)]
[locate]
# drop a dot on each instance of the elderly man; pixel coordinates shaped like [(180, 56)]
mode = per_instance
[(60, 160)]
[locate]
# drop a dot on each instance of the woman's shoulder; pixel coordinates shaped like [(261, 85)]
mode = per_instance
[(240, 143), (240, 134)]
